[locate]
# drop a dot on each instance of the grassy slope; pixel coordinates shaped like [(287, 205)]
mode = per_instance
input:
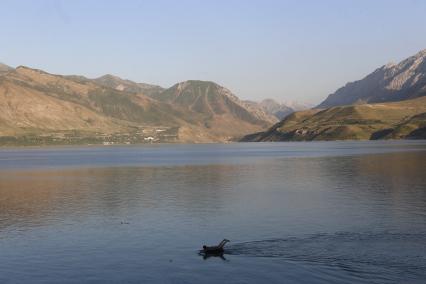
[(359, 122)]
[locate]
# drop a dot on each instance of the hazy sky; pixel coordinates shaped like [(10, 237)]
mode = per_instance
[(300, 50)]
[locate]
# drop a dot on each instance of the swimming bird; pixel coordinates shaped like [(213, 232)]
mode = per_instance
[(215, 249)]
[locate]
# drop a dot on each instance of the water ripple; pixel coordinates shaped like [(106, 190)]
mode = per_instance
[(391, 255)]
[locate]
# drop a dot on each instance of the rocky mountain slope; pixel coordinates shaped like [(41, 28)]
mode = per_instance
[(215, 107), (391, 82), (278, 110), (390, 103), (297, 105), (394, 120), (41, 108)]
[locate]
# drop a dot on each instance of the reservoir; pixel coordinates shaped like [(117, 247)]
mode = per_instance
[(315, 212)]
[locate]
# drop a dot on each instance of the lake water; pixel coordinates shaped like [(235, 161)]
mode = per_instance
[(318, 212)]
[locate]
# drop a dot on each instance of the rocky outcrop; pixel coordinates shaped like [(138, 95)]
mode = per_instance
[(391, 82)]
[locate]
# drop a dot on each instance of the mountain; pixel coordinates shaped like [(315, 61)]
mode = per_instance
[(391, 82), (393, 120), (297, 105), (4, 68), (275, 110), (210, 99), (119, 84), (41, 108), (215, 106), (273, 107), (34, 101)]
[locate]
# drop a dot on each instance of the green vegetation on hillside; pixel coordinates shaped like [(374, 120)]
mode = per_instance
[(356, 122)]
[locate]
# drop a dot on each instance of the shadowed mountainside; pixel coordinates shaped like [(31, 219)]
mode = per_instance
[(276, 110)]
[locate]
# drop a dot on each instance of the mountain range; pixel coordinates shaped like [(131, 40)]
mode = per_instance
[(37, 107), (389, 103), (391, 82)]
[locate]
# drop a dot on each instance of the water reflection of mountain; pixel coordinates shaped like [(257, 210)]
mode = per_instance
[(388, 186), (290, 191), (31, 198), (395, 175)]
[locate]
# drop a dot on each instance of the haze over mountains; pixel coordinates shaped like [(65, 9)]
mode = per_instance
[(389, 103), (277, 109)]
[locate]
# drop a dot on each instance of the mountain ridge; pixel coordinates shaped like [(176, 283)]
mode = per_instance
[(5, 68), (390, 82), (389, 103), (279, 110), (42, 108), (120, 84), (392, 120)]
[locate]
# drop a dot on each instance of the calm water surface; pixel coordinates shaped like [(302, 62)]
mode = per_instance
[(327, 212)]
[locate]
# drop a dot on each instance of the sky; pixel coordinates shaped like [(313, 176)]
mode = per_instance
[(286, 50)]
